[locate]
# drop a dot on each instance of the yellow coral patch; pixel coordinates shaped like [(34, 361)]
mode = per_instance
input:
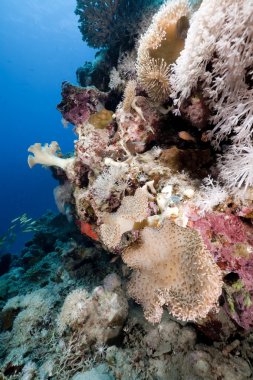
[(101, 119)]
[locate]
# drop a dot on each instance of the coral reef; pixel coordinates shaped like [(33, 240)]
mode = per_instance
[(143, 179), (156, 206), (114, 27), (217, 63), (61, 327), (75, 323)]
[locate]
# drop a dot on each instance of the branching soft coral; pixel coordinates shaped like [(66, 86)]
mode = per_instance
[(125, 70), (218, 61), (112, 180), (211, 194), (108, 23), (236, 168)]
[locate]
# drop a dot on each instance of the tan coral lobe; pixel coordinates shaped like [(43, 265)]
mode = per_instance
[(133, 209), (160, 46), (173, 268)]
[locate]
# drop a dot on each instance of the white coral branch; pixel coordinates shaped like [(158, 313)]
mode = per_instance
[(211, 195), (220, 37), (236, 167)]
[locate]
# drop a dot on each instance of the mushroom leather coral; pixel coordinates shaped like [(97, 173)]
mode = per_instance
[(47, 155), (133, 209), (160, 46), (172, 267)]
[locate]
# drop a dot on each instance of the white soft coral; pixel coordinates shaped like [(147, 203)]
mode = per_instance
[(211, 195), (218, 61), (113, 178), (236, 168), (47, 155)]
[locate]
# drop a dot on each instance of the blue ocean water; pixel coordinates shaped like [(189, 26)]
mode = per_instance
[(41, 47)]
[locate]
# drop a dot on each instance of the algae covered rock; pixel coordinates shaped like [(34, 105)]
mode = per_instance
[(99, 373), (98, 317)]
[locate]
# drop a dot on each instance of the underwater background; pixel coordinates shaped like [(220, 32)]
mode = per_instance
[(41, 47)]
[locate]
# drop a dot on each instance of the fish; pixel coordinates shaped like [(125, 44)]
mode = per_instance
[(186, 136), (15, 220)]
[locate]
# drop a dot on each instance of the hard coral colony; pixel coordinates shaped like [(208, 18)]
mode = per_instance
[(162, 172)]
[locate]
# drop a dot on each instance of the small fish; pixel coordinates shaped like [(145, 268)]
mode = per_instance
[(24, 220), (186, 136), (15, 220), (86, 229)]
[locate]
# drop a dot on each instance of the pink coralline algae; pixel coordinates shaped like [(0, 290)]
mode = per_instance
[(138, 130), (239, 304), (230, 240), (195, 111), (227, 237), (79, 103), (90, 147)]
